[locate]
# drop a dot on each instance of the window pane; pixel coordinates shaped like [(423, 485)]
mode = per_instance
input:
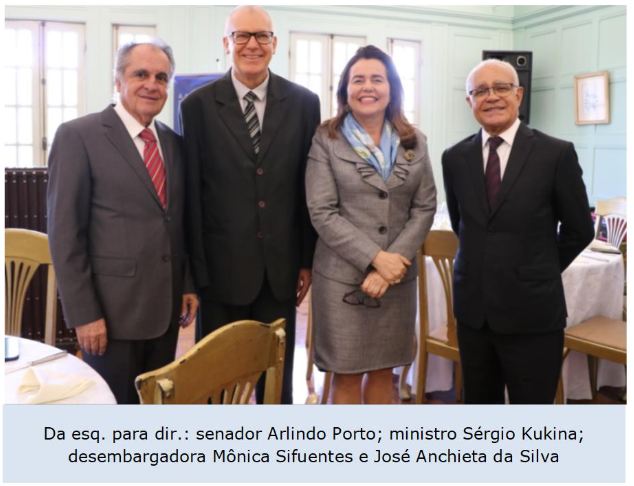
[(70, 51), (410, 116), (25, 86), (302, 79), (10, 156), (25, 156), (125, 38), (408, 88), (70, 87), (24, 48), (315, 57), (352, 50), (25, 125), (53, 121), (302, 56), (141, 37), (70, 114), (9, 126), (54, 49), (315, 84), (54, 87), (9, 86), (340, 59), (9, 47)]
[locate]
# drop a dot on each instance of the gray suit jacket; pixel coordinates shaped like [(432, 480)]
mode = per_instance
[(117, 253), (356, 213)]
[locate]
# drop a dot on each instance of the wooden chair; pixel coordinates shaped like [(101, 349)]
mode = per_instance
[(599, 338), (441, 246), (223, 368), (614, 213), (25, 251)]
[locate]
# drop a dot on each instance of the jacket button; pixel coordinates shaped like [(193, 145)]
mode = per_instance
[(382, 230), (168, 218), (260, 171), (166, 258), (260, 234), (382, 195), (261, 204)]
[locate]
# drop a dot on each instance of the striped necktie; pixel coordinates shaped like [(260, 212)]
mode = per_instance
[(154, 164), (492, 174), (253, 124)]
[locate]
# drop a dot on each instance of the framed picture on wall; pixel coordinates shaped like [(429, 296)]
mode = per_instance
[(592, 98)]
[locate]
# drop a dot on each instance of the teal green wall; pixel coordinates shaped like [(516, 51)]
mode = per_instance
[(566, 40)]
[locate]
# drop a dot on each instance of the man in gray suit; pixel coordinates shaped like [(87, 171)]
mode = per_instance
[(115, 223)]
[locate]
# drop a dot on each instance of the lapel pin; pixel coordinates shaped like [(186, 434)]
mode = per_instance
[(409, 155)]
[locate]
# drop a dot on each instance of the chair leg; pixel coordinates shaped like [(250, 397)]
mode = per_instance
[(559, 397), (421, 379), (593, 369)]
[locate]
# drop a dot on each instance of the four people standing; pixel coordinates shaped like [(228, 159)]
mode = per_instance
[(116, 209)]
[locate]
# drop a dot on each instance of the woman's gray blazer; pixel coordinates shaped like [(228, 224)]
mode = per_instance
[(356, 213)]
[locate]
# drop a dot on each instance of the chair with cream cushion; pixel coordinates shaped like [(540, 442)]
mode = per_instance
[(25, 251), (223, 368)]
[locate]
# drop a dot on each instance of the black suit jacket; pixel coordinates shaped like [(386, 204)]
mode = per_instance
[(247, 212), (508, 267)]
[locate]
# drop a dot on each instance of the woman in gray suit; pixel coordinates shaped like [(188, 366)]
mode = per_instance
[(372, 199)]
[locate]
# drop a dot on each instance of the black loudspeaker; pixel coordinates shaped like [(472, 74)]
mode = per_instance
[(522, 61)]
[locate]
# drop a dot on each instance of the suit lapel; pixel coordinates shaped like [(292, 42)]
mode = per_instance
[(475, 167), (120, 138), (275, 112), (344, 151), (231, 113), (522, 146)]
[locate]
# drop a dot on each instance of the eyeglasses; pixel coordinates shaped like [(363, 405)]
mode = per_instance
[(357, 297), (240, 38), (501, 90)]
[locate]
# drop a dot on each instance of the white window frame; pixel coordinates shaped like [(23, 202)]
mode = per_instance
[(328, 88), (417, 46), (134, 30), (38, 28)]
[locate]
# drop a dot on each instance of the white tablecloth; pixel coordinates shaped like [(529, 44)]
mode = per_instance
[(98, 393), (593, 285)]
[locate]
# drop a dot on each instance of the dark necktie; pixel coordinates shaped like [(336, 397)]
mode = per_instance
[(493, 176), (253, 124), (154, 164)]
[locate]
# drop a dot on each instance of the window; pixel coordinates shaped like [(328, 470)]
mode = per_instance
[(122, 34), (44, 66), (317, 61), (406, 57)]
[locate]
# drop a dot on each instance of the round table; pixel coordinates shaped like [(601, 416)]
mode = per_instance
[(593, 285), (97, 393)]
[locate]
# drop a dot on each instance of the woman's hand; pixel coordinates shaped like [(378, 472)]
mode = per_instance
[(391, 266), (374, 285)]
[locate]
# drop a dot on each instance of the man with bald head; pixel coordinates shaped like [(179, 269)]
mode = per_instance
[(518, 204), (247, 137)]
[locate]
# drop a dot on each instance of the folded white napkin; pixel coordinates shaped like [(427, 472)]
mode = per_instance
[(43, 386), (602, 246)]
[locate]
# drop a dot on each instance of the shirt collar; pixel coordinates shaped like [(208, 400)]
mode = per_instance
[(508, 135), (132, 125), (242, 90)]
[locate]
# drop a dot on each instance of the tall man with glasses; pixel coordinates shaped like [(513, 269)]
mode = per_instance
[(518, 204), (247, 137)]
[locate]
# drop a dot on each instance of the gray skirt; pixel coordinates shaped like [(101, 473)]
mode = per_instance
[(355, 338)]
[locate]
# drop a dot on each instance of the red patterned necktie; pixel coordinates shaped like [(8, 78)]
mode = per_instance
[(492, 176), (154, 163)]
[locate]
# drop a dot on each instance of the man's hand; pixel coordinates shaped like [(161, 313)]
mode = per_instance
[(391, 266), (374, 285), (303, 284), (188, 310), (92, 337)]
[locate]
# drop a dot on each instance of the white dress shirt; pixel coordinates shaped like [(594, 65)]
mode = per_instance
[(259, 91), (504, 150), (134, 128)]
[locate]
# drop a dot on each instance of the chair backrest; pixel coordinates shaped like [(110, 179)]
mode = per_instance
[(441, 246), (614, 212), (25, 251), (223, 368)]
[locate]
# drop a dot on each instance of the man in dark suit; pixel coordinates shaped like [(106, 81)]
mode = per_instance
[(521, 218), (247, 137), (115, 223)]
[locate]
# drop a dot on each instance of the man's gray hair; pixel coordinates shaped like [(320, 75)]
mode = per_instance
[(125, 51), (492, 62)]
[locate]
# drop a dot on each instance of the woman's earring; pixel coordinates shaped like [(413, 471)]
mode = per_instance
[(347, 109)]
